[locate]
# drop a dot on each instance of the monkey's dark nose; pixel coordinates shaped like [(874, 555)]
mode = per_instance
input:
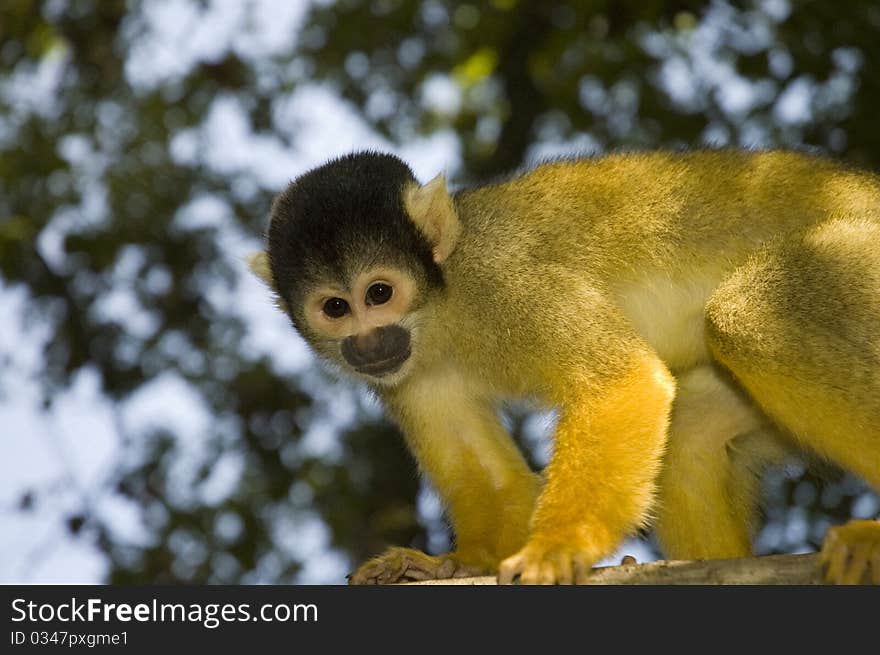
[(378, 352)]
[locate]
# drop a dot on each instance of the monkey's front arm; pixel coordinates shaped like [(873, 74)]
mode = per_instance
[(478, 471), (600, 481)]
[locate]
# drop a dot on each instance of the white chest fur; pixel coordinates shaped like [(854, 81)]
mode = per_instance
[(668, 313)]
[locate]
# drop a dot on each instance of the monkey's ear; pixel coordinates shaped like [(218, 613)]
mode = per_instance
[(258, 262), (430, 207)]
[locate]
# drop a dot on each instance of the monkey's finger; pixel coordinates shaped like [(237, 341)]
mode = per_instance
[(582, 571), (857, 564), (375, 569), (394, 570), (417, 568), (837, 564), (446, 569), (509, 569), (419, 574), (405, 564), (426, 566), (564, 570), (531, 573), (829, 546), (464, 571), (875, 565), (546, 573), (388, 576), (359, 577)]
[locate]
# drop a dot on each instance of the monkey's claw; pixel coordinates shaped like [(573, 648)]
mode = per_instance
[(851, 553), (409, 565), (546, 564)]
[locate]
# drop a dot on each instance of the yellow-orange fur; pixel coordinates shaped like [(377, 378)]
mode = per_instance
[(751, 281), (636, 246)]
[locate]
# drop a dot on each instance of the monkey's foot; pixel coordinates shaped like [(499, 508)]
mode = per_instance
[(851, 553), (547, 563), (408, 565)]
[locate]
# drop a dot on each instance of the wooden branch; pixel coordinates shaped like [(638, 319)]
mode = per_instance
[(767, 570)]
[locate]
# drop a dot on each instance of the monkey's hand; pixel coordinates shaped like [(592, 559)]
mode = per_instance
[(409, 565), (851, 553), (550, 560)]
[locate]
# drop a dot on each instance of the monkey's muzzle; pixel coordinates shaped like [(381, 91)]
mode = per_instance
[(378, 352)]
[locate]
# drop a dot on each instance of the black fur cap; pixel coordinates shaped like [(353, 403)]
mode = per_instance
[(342, 217)]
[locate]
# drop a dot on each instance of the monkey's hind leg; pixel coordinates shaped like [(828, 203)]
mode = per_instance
[(719, 444), (799, 327)]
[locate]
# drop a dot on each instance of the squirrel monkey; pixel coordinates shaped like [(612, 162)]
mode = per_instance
[(691, 317)]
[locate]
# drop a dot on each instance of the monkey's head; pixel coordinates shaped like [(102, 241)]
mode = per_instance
[(354, 254)]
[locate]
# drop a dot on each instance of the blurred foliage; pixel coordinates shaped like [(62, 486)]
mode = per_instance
[(514, 79)]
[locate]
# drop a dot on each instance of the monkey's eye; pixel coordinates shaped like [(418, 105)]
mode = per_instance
[(379, 293), (336, 308)]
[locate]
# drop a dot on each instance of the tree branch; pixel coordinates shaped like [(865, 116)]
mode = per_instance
[(767, 570)]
